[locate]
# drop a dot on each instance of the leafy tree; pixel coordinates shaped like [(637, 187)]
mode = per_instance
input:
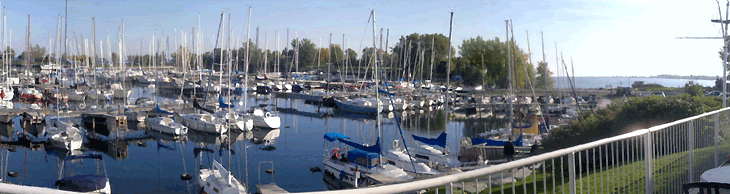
[(694, 89), (543, 71), (406, 53), (37, 53), (493, 55), (10, 51), (307, 52)]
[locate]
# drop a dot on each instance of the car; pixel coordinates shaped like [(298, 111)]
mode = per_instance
[(714, 93), (659, 94)]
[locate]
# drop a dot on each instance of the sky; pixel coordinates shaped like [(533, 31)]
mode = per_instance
[(601, 38)]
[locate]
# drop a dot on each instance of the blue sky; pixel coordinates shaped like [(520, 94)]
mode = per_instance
[(611, 38)]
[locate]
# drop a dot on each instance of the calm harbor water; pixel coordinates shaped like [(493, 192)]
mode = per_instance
[(603, 82), (154, 165)]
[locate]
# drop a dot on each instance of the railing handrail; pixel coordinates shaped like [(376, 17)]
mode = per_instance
[(444, 180)]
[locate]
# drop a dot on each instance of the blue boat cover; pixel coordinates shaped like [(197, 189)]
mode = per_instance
[(384, 92), (356, 153), (334, 136), (489, 142), (82, 183), (74, 157), (222, 104), (159, 110), (438, 141), (373, 148)]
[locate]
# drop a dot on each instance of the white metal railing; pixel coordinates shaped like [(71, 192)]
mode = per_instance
[(659, 159)]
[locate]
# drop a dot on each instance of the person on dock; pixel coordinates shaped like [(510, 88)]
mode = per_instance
[(509, 151), (533, 148)]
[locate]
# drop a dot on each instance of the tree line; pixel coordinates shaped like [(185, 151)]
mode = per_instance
[(414, 57)]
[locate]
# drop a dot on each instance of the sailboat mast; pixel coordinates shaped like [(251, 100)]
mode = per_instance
[(509, 75), (448, 70), (245, 80), (545, 77), (377, 85), (223, 45), (430, 73)]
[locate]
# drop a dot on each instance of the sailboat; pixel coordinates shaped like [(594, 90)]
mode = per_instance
[(219, 180), (363, 159), (264, 118), (61, 134)]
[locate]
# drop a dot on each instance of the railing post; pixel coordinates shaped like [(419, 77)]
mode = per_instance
[(450, 188), (648, 154), (717, 134), (571, 172), (690, 148)]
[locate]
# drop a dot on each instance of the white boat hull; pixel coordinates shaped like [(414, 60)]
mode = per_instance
[(272, 122)]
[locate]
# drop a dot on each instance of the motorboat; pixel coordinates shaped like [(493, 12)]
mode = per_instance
[(358, 105), (166, 125), (86, 183), (202, 122), (61, 134), (219, 180), (264, 118)]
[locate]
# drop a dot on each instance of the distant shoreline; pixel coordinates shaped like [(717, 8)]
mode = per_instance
[(702, 77)]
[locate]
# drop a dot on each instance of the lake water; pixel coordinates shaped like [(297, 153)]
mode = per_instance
[(604, 82), (156, 167)]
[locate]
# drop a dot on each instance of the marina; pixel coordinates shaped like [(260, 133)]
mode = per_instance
[(200, 109)]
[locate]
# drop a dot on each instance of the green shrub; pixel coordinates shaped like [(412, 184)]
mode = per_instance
[(620, 118)]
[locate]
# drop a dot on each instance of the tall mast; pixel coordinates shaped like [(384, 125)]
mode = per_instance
[(220, 64), (509, 75), (329, 62), (245, 80), (27, 51), (266, 52), (430, 73), (546, 74), (448, 70), (377, 85)]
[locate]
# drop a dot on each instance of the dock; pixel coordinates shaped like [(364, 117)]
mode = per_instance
[(270, 188)]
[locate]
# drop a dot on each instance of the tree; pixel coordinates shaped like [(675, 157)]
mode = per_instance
[(407, 53), (693, 89), (307, 52), (492, 56), (10, 52), (37, 54), (543, 71)]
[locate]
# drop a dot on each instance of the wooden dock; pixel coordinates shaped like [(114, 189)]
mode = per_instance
[(270, 188)]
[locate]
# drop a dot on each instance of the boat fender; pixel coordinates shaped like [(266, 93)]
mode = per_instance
[(270, 171), (12, 149), (186, 177), (315, 169), (336, 152), (13, 174)]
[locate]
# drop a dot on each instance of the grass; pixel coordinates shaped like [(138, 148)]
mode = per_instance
[(670, 172)]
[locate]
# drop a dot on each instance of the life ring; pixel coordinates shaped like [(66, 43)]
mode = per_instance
[(82, 106), (268, 114), (336, 152)]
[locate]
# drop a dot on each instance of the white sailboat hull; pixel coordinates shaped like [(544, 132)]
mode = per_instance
[(194, 121), (272, 122)]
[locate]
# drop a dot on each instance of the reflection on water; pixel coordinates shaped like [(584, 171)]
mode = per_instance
[(154, 161)]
